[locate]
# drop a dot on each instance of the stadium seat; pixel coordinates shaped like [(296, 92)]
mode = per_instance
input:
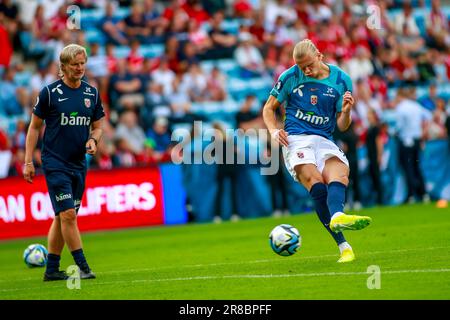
[(227, 66), (229, 25), (95, 36), (90, 18), (206, 107), (121, 52), (260, 87), (147, 50), (443, 90), (23, 78), (152, 50)]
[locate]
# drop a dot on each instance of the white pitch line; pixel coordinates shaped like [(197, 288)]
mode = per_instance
[(258, 276), (244, 276), (296, 258)]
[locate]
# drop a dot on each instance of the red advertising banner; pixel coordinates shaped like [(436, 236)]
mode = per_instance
[(113, 199)]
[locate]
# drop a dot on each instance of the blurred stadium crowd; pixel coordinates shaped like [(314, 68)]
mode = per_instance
[(161, 65)]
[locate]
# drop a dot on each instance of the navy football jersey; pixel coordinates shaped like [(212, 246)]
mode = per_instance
[(68, 115), (311, 104)]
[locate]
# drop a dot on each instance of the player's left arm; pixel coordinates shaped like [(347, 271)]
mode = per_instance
[(344, 118), (96, 127), (95, 136), (345, 105)]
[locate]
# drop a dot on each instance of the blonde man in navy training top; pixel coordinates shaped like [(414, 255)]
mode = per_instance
[(73, 113), (317, 97)]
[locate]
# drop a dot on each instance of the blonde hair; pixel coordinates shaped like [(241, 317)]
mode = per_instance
[(68, 53), (303, 48)]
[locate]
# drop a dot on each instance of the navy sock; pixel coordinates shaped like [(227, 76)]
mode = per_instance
[(80, 259), (52, 263), (319, 194), (336, 197)]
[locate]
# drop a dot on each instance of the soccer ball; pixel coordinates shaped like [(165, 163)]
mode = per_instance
[(285, 240), (35, 255)]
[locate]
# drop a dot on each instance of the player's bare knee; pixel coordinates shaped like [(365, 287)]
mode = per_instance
[(308, 180), (342, 179), (312, 180), (68, 216)]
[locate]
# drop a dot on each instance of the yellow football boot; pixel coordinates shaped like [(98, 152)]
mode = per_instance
[(347, 255), (349, 222)]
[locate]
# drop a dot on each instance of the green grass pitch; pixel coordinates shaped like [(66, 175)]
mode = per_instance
[(233, 261)]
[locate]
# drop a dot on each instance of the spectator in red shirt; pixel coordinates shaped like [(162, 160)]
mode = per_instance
[(4, 141), (172, 53), (195, 11), (58, 24), (301, 7), (9, 12), (447, 63), (242, 9), (111, 59), (6, 51), (257, 30), (378, 86), (198, 37), (135, 57), (169, 13)]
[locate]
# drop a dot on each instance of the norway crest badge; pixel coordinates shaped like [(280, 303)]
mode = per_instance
[(87, 102), (313, 100)]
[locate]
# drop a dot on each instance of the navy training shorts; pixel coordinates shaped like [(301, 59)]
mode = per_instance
[(65, 189)]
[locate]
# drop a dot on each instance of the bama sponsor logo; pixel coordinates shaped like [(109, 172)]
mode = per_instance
[(74, 120), (311, 117), (62, 197)]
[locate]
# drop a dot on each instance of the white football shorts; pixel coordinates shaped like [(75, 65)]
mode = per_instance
[(313, 149)]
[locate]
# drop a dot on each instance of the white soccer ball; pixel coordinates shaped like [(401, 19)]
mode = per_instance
[(285, 240), (35, 255)]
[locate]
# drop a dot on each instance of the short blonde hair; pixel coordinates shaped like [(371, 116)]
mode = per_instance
[(68, 53), (303, 48)]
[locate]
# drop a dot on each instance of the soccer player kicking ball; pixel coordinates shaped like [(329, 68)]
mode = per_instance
[(317, 96), (73, 113)]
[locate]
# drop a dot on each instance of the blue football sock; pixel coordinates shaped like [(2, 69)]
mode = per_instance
[(52, 263), (336, 197), (319, 195), (80, 260)]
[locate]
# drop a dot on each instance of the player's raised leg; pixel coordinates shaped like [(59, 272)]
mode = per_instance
[(313, 181), (336, 173), (72, 238)]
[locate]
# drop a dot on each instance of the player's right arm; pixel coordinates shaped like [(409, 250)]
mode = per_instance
[(278, 95), (30, 144), (271, 122), (37, 119)]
